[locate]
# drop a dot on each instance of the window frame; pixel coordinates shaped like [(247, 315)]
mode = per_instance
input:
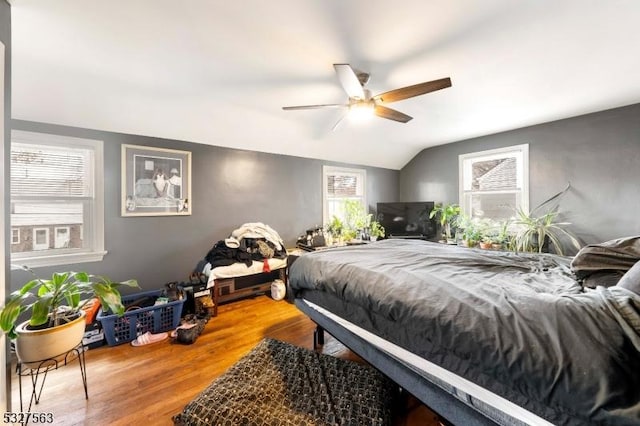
[(15, 232), (522, 149), (331, 170), (93, 251)]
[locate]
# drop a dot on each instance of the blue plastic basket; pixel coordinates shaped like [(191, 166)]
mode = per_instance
[(134, 322)]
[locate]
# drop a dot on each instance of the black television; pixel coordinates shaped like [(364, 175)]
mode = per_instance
[(407, 220)]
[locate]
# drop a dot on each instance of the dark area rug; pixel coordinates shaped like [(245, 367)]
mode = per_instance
[(280, 384)]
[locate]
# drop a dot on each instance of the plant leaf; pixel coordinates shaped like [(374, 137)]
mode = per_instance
[(40, 310)]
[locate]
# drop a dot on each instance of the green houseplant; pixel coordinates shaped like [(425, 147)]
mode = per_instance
[(446, 214), (335, 227), (376, 230), (55, 304), (533, 230), (499, 235), (355, 217), (470, 230)]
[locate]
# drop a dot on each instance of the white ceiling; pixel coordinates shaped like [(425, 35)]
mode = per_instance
[(218, 72)]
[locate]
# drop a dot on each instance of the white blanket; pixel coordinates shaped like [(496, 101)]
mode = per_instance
[(258, 230), (240, 269)]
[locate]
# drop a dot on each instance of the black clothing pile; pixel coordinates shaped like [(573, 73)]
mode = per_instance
[(251, 242)]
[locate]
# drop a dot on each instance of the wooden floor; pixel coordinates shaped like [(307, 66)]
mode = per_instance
[(149, 384)]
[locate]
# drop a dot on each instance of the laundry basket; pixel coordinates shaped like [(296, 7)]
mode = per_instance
[(137, 321)]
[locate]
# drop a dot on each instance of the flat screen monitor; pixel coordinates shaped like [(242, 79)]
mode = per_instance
[(407, 220)]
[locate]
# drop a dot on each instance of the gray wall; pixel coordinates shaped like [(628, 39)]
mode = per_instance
[(230, 187), (599, 154)]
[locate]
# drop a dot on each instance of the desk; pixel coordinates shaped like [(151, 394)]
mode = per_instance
[(38, 372)]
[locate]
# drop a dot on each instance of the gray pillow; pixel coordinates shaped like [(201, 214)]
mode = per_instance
[(631, 279), (607, 261)]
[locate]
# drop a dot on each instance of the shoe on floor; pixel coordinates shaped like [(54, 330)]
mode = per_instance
[(148, 338)]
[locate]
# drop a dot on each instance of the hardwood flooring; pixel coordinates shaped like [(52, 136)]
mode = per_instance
[(147, 385)]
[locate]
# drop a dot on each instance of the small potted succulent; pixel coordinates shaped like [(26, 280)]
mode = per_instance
[(57, 322)]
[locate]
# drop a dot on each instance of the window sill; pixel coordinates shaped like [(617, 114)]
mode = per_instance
[(57, 259)]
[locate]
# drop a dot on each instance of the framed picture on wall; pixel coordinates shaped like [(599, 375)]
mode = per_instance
[(155, 181)]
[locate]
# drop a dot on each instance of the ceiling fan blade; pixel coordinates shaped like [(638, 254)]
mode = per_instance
[(335, 126), (391, 114), (290, 108), (349, 80), (415, 90)]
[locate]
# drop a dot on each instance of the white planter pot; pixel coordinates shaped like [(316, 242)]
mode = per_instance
[(33, 346)]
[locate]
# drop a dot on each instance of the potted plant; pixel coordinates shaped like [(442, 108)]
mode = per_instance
[(57, 320), (470, 230), (500, 235), (349, 235), (334, 230), (446, 214), (376, 230), (486, 242), (534, 231)]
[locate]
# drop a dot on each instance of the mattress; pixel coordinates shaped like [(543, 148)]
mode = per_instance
[(517, 325)]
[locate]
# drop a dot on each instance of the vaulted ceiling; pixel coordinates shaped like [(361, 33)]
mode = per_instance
[(219, 72)]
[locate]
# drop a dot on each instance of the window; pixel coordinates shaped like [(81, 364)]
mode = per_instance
[(56, 199), (15, 236), (341, 184), (493, 184)]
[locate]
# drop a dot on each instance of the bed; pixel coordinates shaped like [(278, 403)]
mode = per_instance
[(481, 337)]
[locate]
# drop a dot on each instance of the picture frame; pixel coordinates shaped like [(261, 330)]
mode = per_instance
[(155, 181)]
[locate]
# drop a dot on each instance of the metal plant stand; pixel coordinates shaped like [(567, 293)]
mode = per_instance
[(38, 370)]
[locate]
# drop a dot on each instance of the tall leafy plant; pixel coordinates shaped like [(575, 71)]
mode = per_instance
[(534, 228), (334, 228), (447, 215)]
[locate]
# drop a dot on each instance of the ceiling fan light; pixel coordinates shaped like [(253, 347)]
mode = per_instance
[(361, 111)]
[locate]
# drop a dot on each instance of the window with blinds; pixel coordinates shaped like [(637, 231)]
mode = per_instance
[(56, 199), (340, 184), (50, 171), (494, 184)]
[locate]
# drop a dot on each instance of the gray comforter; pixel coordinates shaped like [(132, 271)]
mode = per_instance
[(516, 324)]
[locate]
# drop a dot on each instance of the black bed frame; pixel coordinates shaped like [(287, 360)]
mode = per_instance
[(444, 404)]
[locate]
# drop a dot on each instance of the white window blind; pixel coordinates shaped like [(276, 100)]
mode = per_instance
[(39, 170), (347, 185)]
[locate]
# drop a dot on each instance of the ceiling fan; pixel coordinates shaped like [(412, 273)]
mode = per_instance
[(360, 99)]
